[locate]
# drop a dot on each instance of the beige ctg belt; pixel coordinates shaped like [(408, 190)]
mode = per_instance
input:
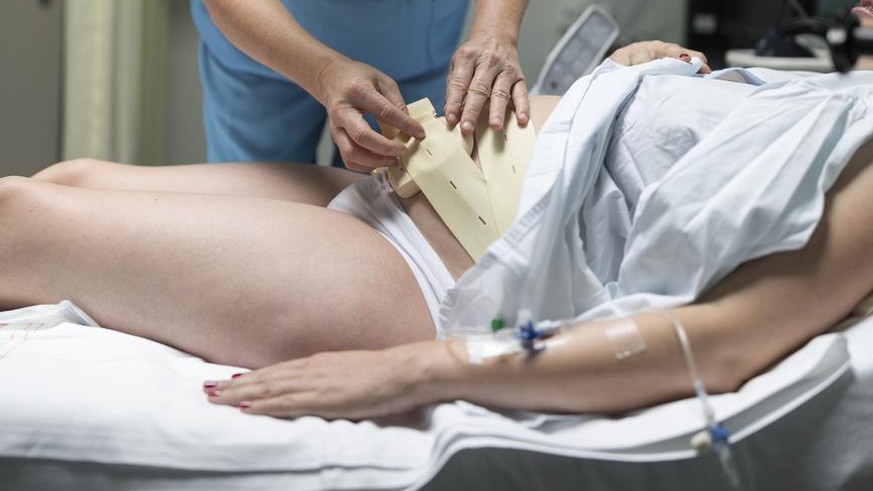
[(476, 204)]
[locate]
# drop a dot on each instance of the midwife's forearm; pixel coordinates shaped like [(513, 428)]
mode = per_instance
[(499, 19), (268, 33)]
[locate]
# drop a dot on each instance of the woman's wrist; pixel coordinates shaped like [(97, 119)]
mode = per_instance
[(436, 371), (444, 373)]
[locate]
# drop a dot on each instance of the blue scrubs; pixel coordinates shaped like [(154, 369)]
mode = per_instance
[(253, 113)]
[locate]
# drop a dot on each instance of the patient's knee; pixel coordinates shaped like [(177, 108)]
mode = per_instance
[(76, 172)]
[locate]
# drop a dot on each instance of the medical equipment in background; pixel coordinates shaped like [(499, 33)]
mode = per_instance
[(717, 26), (779, 51), (579, 51), (844, 35)]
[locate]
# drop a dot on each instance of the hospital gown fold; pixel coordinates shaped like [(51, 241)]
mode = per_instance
[(649, 184)]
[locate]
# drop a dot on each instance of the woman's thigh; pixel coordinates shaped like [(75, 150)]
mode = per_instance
[(302, 183), (238, 280)]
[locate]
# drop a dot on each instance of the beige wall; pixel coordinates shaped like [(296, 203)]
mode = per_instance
[(30, 85), (185, 141)]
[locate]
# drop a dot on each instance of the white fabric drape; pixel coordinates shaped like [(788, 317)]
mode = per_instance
[(656, 217), (114, 79)]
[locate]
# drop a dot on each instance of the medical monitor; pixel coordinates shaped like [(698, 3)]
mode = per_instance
[(715, 26)]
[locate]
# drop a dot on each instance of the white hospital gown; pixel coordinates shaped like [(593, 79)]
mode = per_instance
[(649, 184)]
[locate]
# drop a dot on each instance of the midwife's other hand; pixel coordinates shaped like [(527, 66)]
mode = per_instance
[(646, 51), (349, 90), (486, 69), (341, 384)]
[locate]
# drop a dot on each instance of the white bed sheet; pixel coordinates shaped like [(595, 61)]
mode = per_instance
[(83, 407)]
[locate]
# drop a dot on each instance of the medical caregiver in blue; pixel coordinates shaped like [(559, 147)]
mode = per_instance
[(273, 70)]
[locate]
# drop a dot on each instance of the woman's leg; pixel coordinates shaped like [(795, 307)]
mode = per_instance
[(237, 280), (292, 182)]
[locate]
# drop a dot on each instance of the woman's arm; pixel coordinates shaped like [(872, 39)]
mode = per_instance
[(762, 311), (578, 376)]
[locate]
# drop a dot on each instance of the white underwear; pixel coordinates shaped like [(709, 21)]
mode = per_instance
[(372, 201)]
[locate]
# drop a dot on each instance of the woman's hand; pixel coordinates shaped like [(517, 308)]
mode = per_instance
[(646, 51), (348, 90), (864, 10), (486, 69), (341, 384)]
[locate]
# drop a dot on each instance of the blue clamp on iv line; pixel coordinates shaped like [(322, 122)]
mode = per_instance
[(527, 333)]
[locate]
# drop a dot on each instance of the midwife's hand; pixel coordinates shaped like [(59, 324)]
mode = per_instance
[(646, 51), (486, 68), (348, 90), (342, 384)]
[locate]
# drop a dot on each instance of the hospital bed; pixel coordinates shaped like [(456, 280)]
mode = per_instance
[(87, 408)]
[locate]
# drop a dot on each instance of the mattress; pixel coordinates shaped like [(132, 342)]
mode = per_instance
[(89, 408)]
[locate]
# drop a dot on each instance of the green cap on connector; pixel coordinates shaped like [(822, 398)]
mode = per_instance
[(496, 325)]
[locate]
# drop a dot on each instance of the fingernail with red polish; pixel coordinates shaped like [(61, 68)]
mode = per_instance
[(244, 405), (685, 57), (210, 384), (237, 375)]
